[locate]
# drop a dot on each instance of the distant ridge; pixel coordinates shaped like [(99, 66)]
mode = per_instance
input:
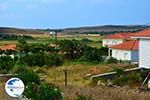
[(78, 30), (9, 30), (106, 28)]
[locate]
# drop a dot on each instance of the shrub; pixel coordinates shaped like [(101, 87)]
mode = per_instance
[(132, 78), (40, 59), (112, 60), (104, 51), (54, 60), (28, 76), (85, 40), (92, 55), (71, 49), (6, 63), (119, 71), (83, 97), (42, 91), (19, 69)]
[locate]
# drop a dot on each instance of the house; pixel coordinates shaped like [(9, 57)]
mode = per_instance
[(10, 47), (144, 48), (117, 38), (127, 51)]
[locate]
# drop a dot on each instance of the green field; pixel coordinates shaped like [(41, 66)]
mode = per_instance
[(94, 41)]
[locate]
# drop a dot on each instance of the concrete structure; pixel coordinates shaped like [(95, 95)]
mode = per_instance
[(127, 51)]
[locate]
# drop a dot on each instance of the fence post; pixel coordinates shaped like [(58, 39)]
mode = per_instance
[(66, 76)]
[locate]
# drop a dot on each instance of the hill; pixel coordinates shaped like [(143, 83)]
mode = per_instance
[(106, 28), (79, 30), (20, 31)]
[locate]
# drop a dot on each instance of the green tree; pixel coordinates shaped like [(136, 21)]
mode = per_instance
[(104, 51), (6, 63), (72, 49), (92, 55), (28, 76)]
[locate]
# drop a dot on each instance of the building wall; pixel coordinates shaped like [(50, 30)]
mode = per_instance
[(121, 54), (135, 56), (144, 53), (110, 42)]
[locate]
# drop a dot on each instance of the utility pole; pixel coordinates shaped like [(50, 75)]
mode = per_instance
[(56, 39)]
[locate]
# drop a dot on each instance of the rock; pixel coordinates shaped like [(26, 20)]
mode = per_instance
[(100, 83), (109, 83)]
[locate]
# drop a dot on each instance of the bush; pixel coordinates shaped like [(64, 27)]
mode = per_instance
[(83, 97), (6, 63), (104, 51), (29, 76), (42, 92), (91, 55), (29, 60), (112, 60), (119, 71), (132, 78), (54, 60), (86, 40), (40, 59), (71, 49), (19, 69)]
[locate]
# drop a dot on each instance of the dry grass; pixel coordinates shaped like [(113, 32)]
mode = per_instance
[(78, 85), (1, 91), (76, 73), (104, 93)]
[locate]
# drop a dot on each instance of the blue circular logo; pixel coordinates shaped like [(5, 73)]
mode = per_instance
[(14, 87)]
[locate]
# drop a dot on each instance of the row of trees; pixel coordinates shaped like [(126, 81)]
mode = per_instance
[(13, 37), (43, 54)]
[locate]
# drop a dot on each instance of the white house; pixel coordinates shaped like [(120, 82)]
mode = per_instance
[(6, 47), (117, 38), (127, 51), (144, 48)]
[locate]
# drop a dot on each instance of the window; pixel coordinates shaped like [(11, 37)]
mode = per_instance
[(114, 42), (125, 56)]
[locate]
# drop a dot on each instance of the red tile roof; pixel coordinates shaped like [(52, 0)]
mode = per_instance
[(119, 36), (8, 47), (144, 33), (130, 45), (127, 35)]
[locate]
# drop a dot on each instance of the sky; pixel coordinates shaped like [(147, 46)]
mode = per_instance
[(72, 13)]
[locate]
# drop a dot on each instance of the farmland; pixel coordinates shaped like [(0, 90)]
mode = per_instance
[(95, 41)]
